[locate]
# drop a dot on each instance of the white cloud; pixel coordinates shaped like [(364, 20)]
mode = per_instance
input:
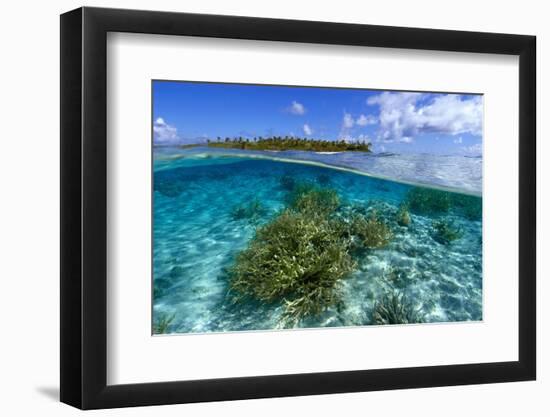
[(377, 147), (347, 124), (347, 121), (402, 117), (475, 149), (164, 134), (308, 130), (297, 108), (458, 140), (363, 120)]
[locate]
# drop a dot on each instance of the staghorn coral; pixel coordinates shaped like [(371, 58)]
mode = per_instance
[(371, 232), (252, 211), (287, 182), (403, 217), (428, 200), (445, 232), (469, 206), (162, 323), (395, 308), (314, 201), (296, 258)]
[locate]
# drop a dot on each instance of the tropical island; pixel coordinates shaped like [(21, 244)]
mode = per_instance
[(288, 143)]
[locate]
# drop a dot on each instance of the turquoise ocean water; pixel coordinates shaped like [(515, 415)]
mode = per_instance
[(196, 234)]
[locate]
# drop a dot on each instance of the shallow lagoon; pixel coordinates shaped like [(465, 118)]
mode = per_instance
[(197, 236)]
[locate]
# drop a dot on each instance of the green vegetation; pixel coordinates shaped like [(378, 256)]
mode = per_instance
[(251, 211), (469, 206), (445, 232), (280, 143), (473, 211), (313, 201), (189, 145), (403, 217), (428, 200), (297, 258), (372, 232), (299, 188), (287, 182), (422, 200), (395, 308), (162, 323)]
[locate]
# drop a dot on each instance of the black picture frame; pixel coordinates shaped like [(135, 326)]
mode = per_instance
[(84, 207)]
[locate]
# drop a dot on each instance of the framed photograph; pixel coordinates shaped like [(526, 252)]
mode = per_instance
[(256, 208)]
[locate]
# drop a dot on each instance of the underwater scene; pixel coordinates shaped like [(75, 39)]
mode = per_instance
[(282, 232)]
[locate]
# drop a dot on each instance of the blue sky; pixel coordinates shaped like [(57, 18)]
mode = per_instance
[(190, 112)]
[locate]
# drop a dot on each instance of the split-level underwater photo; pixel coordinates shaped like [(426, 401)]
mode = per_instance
[(281, 207)]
